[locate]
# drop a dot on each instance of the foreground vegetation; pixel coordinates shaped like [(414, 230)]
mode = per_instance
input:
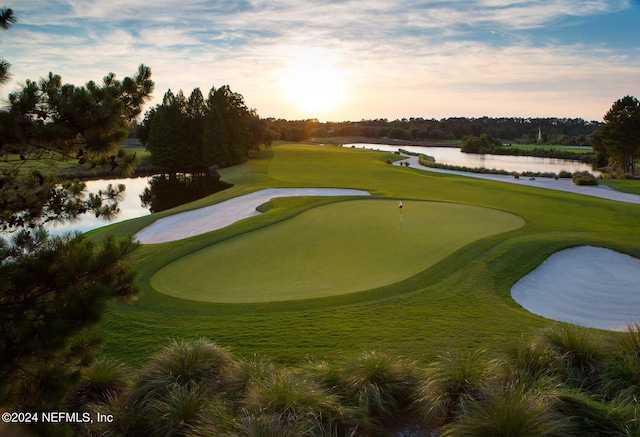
[(563, 381)]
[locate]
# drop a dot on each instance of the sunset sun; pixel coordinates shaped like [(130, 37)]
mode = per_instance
[(314, 85)]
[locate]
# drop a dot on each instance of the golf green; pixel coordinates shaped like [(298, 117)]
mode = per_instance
[(334, 249)]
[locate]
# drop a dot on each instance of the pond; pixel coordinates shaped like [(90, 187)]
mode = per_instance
[(453, 156), (145, 195)]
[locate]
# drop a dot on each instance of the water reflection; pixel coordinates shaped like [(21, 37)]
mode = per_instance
[(453, 156), (145, 195), (166, 191)]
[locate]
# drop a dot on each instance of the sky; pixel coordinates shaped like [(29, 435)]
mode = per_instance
[(346, 60)]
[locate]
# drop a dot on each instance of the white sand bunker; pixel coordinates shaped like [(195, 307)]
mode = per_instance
[(207, 219), (586, 286)]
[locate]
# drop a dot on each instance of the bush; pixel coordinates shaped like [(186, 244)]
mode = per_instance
[(564, 174), (584, 178)]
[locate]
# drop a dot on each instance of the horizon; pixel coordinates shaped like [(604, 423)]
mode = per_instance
[(339, 61)]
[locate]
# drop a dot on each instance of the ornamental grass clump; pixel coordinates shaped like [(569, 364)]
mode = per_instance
[(380, 386), (447, 381), (508, 412), (529, 362), (178, 411), (620, 379), (582, 352), (184, 363), (106, 377), (293, 398)]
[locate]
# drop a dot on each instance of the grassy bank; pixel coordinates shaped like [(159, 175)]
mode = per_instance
[(458, 302)]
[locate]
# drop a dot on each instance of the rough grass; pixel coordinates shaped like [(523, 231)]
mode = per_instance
[(462, 302), (625, 186)]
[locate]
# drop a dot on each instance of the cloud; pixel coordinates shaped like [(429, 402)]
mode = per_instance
[(391, 53)]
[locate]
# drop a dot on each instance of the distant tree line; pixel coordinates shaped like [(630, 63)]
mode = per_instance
[(196, 132), (554, 130)]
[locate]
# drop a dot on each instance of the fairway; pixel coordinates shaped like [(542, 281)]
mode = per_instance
[(334, 249)]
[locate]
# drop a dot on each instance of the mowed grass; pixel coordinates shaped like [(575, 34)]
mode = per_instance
[(330, 250), (461, 302)]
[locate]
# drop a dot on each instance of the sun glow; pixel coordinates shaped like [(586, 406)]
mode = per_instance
[(314, 84)]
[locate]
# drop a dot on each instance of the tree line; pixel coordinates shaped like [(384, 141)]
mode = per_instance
[(555, 130), (189, 133)]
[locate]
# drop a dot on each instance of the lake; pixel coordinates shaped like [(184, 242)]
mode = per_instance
[(145, 195), (453, 156)]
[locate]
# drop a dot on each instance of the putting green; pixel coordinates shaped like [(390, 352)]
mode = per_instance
[(334, 249)]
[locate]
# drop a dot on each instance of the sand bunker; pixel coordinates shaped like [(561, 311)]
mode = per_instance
[(207, 219), (586, 286)]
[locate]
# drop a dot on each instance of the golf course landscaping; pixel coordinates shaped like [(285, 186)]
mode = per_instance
[(317, 277)]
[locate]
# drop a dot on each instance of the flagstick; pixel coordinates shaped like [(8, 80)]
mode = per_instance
[(400, 206)]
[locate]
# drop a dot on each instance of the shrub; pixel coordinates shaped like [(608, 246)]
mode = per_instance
[(564, 174), (427, 161), (584, 178)]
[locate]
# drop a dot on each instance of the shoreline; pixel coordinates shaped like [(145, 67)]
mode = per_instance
[(561, 184)]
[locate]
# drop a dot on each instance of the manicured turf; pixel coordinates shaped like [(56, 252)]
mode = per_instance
[(334, 249), (459, 303)]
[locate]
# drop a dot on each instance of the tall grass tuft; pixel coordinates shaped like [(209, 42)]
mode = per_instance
[(106, 377), (508, 412), (620, 379), (290, 393), (447, 381), (127, 418), (591, 417), (274, 425), (528, 361), (241, 373), (217, 418), (380, 386), (582, 351), (185, 363), (178, 411)]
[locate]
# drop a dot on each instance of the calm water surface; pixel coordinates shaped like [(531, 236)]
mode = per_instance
[(453, 156), (145, 195)]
